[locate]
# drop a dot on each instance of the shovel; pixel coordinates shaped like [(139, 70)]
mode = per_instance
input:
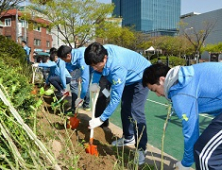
[(73, 122), (34, 91), (34, 69), (63, 97), (90, 148)]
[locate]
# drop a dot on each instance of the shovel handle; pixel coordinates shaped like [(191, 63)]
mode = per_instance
[(94, 100), (66, 94)]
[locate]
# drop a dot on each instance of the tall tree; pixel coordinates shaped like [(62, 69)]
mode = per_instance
[(122, 36), (5, 5), (77, 20)]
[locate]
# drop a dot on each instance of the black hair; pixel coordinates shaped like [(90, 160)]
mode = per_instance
[(41, 58), (94, 53), (152, 73), (24, 41), (52, 50), (63, 51), (52, 56)]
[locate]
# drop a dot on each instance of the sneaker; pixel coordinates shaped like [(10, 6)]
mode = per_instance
[(124, 142), (86, 108), (139, 157)]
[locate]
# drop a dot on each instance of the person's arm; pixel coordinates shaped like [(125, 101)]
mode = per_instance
[(118, 84), (47, 64), (62, 68), (85, 76), (186, 108), (96, 77), (26, 50)]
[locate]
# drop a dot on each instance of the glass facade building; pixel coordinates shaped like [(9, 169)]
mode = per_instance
[(159, 17)]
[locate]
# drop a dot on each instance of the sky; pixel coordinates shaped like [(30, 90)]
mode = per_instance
[(199, 6)]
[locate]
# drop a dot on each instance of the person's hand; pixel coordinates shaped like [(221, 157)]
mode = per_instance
[(96, 122), (35, 65), (179, 166), (65, 92), (94, 87), (78, 102)]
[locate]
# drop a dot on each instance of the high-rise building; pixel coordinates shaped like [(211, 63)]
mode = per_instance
[(157, 17)]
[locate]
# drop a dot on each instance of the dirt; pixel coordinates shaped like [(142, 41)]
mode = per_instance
[(52, 131), (68, 146)]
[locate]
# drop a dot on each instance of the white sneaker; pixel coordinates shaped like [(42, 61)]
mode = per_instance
[(124, 142), (139, 157)]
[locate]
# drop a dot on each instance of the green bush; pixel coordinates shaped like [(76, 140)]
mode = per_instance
[(15, 83), (173, 61), (14, 55)]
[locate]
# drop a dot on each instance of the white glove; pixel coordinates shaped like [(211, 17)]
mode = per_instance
[(35, 65), (65, 92), (179, 166), (96, 122), (94, 87), (78, 102)]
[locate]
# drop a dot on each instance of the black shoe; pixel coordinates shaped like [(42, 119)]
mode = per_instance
[(86, 108)]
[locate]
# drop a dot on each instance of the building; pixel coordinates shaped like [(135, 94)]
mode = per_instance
[(156, 17), (196, 22), (35, 32)]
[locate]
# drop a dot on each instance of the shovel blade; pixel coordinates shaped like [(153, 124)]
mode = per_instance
[(92, 149), (72, 122)]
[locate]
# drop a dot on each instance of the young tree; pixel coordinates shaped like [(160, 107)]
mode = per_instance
[(197, 36), (5, 5), (76, 20)]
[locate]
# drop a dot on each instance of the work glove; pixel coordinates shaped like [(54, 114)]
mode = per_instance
[(179, 166), (96, 122), (64, 92), (78, 102), (35, 65), (94, 87)]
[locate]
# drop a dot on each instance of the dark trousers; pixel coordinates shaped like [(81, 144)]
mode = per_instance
[(208, 147), (102, 100), (27, 59), (56, 82), (74, 87), (133, 113)]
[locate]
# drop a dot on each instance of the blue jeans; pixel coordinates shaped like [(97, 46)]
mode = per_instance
[(133, 109), (74, 87)]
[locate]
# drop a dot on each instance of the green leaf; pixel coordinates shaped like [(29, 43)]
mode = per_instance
[(39, 103), (42, 91)]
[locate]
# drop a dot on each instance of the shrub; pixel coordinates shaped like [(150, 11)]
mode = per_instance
[(14, 55), (173, 61), (14, 82)]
